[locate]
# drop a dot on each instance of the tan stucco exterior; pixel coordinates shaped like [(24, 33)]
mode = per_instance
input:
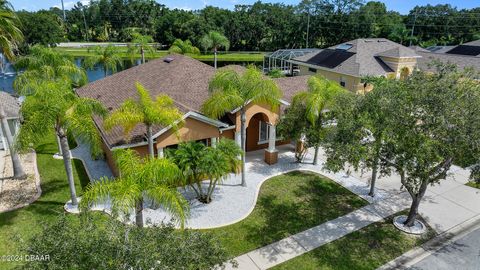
[(352, 83), (398, 64), (253, 109)]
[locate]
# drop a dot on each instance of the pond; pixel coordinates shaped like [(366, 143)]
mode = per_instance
[(8, 74)]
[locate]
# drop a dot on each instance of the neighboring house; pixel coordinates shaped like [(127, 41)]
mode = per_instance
[(12, 110), (349, 62), (185, 80), (463, 56)]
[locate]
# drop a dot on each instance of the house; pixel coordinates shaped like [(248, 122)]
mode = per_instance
[(463, 56), (347, 63), (12, 110), (186, 81)]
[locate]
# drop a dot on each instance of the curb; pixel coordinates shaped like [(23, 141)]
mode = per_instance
[(417, 254), (37, 185)]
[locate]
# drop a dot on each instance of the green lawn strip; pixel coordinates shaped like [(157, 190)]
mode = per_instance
[(288, 204), (25, 222), (368, 248), (233, 56), (473, 184)]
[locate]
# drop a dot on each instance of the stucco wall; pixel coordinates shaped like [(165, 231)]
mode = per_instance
[(351, 83), (192, 130), (253, 109)]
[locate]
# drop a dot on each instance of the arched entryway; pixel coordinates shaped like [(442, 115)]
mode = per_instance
[(258, 129)]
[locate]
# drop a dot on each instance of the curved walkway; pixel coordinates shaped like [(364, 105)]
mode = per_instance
[(95, 168)]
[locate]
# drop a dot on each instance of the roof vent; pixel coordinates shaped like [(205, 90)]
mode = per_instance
[(168, 59)]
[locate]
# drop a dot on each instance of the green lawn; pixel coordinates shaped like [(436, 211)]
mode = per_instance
[(473, 184), (27, 221), (230, 56), (368, 248), (288, 204)]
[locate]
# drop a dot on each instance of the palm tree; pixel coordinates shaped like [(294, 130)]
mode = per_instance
[(10, 34), (230, 90), (319, 96), (147, 111), (46, 64), (215, 40), (140, 45), (108, 57), (55, 107), (199, 162), (153, 179), (182, 47), (18, 172)]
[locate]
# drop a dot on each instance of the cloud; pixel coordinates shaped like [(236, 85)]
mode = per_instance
[(183, 8)]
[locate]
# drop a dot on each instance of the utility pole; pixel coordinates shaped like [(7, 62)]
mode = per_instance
[(413, 28), (64, 16), (85, 24), (308, 26)]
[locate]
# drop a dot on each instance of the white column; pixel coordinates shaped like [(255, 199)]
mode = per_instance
[(160, 152), (272, 138), (213, 141), (4, 142), (238, 138)]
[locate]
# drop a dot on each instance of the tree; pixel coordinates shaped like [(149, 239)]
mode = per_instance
[(317, 99), (432, 119), (230, 90), (146, 111), (140, 45), (183, 47), (155, 179), (42, 27), (199, 162), (108, 57), (18, 172), (92, 243), (10, 34), (54, 106), (45, 64), (215, 40)]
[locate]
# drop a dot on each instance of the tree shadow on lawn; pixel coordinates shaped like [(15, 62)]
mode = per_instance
[(286, 208)]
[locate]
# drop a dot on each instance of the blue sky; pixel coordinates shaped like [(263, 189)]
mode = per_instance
[(402, 6)]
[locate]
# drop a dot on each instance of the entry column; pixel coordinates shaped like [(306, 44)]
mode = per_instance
[(271, 154)]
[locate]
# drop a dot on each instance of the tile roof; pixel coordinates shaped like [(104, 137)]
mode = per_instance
[(366, 60), (292, 85), (10, 105)]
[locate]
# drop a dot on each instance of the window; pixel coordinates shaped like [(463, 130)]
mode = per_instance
[(343, 83), (314, 70), (264, 132)]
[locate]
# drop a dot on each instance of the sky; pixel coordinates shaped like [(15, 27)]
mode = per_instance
[(402, 6)]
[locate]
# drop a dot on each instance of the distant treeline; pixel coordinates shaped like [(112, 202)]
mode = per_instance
[(257, 27)]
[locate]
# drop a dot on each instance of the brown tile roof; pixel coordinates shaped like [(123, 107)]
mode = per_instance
[(10, 105), (292, 85)]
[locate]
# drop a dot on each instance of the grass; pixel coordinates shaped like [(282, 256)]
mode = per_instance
[(25, 222), (229, 56), (287, 204), (368, 248), (473, 184)]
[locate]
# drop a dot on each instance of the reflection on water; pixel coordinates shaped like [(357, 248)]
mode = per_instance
[(7, 72)]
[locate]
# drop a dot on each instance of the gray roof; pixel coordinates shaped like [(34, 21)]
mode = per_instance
[(439, 49), (10, 105), (461, 61), (366, 56), (473, 43)]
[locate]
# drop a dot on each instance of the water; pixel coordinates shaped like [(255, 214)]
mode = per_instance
[(8, 74)]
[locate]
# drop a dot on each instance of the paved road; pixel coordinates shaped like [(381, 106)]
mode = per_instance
[(463, 254)]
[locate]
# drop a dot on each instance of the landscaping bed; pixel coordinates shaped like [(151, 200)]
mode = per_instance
[(288, 204), (368, 248)]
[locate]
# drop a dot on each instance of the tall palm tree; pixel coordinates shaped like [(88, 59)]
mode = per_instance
[(55, 107), (18, 172), (147, 111), (10, 37), (109, 57), (319, 96), (183, 47), (140, 44), (153, 179), (199, 162), (46, 64), (215, 40), (10, 34), (230, 90)]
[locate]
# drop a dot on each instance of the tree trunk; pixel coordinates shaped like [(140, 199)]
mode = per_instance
[(373, 180), (215, 57), (143, 54), (315, 156), (59, 145), (150, 141), (18, 172), (68, 164), (244, 139), (139, 213), (416, 198)]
